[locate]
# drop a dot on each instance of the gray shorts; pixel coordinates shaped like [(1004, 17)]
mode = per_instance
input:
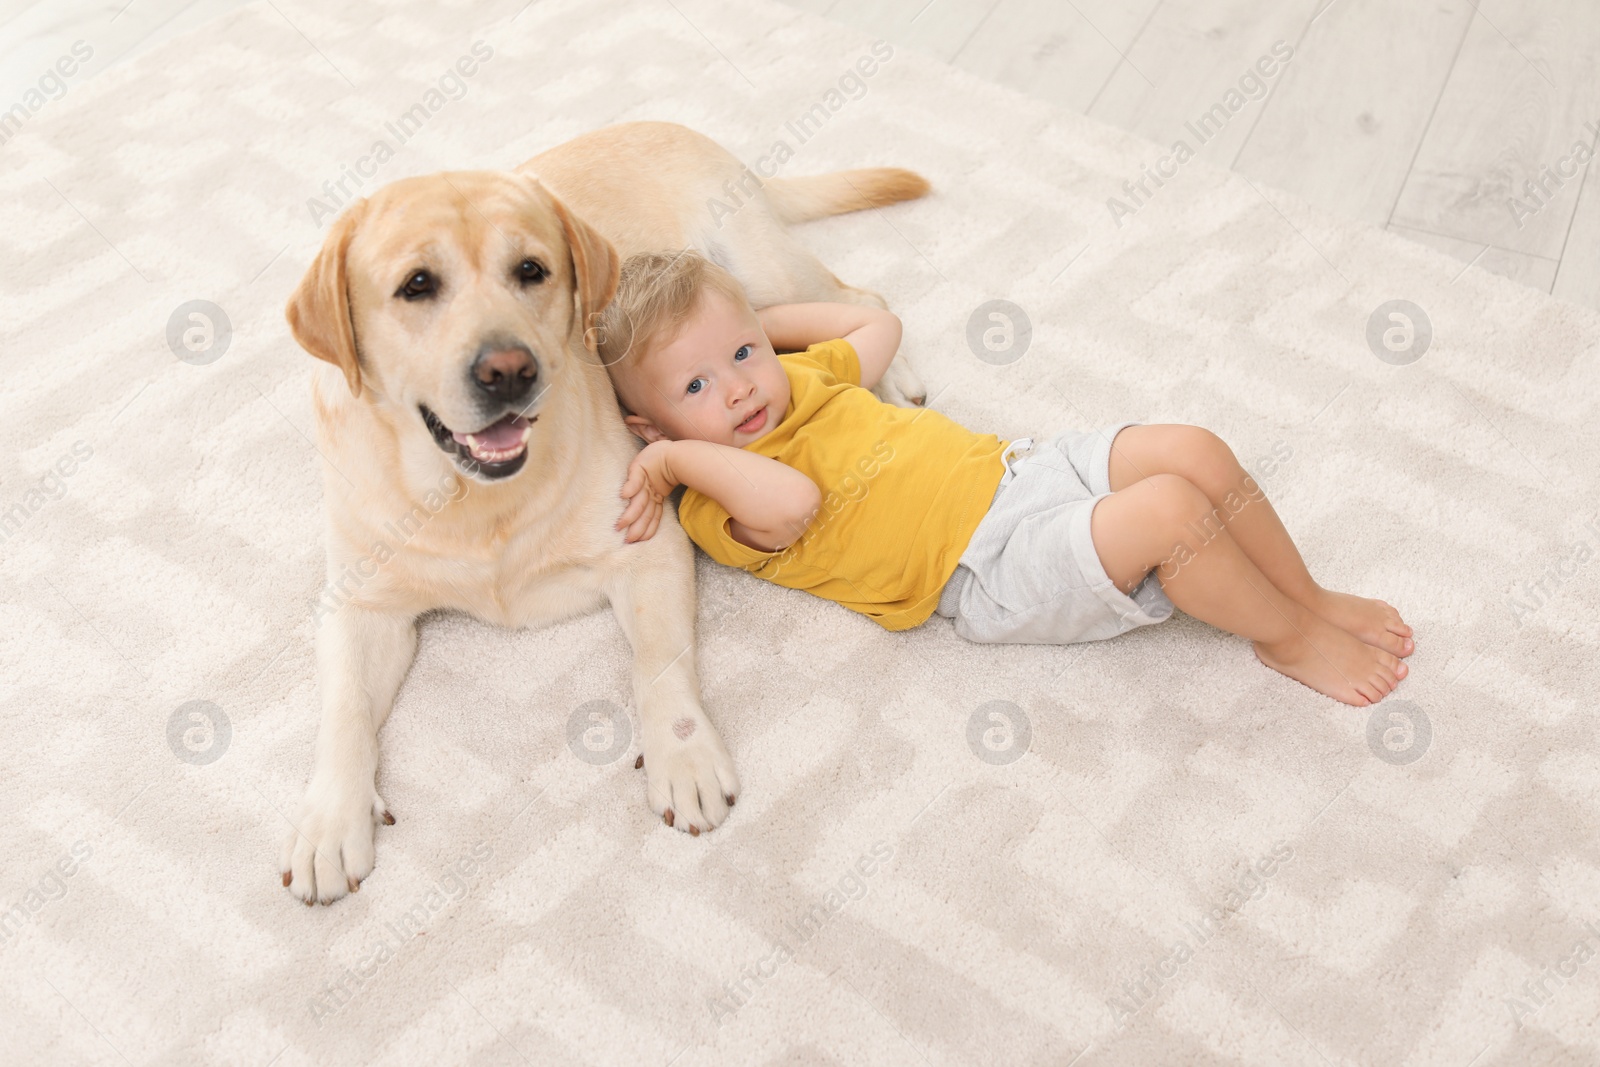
[(1031, 574)]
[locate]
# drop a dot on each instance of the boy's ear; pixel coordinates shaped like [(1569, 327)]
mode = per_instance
[(643, 428)]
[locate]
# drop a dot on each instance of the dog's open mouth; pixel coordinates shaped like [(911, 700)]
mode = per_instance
[(497, 450)]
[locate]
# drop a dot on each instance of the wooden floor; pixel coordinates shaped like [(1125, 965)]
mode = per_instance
[(1428, 117)]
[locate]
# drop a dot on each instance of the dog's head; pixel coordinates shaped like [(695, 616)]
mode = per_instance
[(453, 301)]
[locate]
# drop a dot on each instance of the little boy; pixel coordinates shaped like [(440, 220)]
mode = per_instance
[(796, 472)]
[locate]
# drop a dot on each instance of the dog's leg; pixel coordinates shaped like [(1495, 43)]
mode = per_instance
[(361, 658), (689, 777)]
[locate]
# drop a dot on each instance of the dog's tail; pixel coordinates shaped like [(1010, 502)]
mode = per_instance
[(816, 196)]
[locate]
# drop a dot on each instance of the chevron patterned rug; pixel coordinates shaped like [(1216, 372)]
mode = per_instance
[(1150, 850)]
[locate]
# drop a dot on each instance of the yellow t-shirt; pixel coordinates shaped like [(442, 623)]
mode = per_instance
[(903, 489)]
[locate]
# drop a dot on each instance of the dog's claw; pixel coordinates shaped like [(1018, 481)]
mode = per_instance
[(330, 850), (388, 820), (666, 817), (638, 762), (730, 798), (694, 831)]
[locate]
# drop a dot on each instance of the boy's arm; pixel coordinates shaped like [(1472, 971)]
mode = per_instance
[(873, 332), (771, 502)]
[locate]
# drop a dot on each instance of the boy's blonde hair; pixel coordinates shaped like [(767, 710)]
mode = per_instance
[(656, 294)]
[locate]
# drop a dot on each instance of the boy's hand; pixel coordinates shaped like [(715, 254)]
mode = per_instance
[(769, 502), (873, 332), (649, 481)]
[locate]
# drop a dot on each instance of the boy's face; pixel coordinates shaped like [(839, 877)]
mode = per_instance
[(718, 380)]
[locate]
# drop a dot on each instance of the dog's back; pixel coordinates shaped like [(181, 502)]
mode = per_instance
[(659, 186)]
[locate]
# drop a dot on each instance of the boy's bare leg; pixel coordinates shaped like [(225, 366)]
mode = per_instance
[(1239, 504), (1153, 524)]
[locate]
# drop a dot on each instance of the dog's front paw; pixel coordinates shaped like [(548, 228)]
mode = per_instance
[(900, 385), (330, 849), (689, 776)]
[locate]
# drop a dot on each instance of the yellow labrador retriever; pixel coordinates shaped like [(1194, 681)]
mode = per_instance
[(462, 406)]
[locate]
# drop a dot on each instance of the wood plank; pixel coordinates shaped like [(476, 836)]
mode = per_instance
[(1536, 272), (1055, 51), (1517, 101), (36, 36), (1189, 56), (1347, 116), (938, 28), (11, 10), (1578, 277)]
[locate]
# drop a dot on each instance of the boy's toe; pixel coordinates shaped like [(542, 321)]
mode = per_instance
[(1393, 643)]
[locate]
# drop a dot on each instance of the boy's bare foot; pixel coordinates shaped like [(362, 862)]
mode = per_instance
[(1373, 621), (1333, 662)]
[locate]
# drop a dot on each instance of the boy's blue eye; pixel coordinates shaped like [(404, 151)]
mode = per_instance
[(744, 352)]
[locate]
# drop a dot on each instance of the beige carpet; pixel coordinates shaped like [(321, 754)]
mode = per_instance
[(1192, 861)]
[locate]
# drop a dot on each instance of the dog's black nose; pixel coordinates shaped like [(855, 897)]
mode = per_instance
[(505, 372)]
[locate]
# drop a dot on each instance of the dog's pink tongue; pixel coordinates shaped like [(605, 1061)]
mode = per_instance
[(499, 436)]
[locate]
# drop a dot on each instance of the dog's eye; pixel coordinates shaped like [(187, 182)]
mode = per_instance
[(531, 272), (418, 286)]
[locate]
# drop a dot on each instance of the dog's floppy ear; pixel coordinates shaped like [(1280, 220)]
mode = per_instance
[(594, 267), (319, 310)]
